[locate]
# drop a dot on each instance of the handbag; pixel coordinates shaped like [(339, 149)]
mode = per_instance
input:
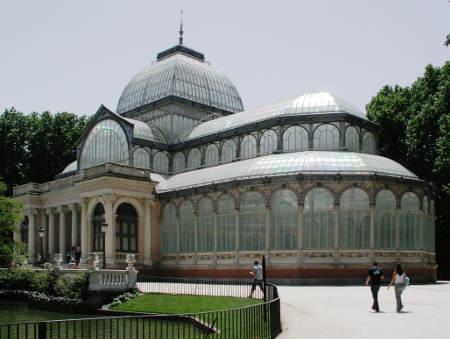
[(406, 281)]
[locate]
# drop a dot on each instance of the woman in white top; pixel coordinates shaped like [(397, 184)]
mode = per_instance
[(398, 278)]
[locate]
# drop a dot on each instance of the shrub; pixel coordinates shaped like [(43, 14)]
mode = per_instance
[(72, 287)]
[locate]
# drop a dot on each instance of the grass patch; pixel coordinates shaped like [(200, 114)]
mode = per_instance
[(179, 304)]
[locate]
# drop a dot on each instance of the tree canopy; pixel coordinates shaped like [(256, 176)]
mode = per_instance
[(36, 147), (416, 133)]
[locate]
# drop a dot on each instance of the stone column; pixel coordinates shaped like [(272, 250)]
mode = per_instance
[(75, 239), (84, 231), (300, 234), (148, 202), (267, 233), (51, 231), (16, 235), (215, 214), (372, 232), (62, 231), (31, 212), (109, 199), (45, 240), (398, 210), (237, 234), (336, 233)]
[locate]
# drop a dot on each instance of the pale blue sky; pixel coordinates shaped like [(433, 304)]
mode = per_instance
[(76, 55)]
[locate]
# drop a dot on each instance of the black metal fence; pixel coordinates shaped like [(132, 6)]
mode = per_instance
[(256, 321)]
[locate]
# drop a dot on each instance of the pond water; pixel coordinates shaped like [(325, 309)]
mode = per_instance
[(18, 312)]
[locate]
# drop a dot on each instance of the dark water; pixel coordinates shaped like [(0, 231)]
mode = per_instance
[(18, 312)]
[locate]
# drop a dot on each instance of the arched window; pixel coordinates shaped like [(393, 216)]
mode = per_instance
[(409, 222), (385, 221), (211, 155), (106, 142), (269, 142), (194, 158), (229, 149), (205, 226), (326, 137), (425, 225), (352, 139), (354, 220), (369, 143), (97, 235), (126, 229), (161, 163), (187, 228), (252, 223), (141, 158), (432, 228), (179, 162), (248, 146), (169, 230), (226, 225), (318, 220), (284, 221), (295, 138)]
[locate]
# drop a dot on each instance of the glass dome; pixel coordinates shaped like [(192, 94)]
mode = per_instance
[(182, 75), (312, 103), (313, 162)]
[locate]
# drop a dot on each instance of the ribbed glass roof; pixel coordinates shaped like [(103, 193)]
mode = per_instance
[(146, 131), (311, 162), (312, 103), (182, 76)]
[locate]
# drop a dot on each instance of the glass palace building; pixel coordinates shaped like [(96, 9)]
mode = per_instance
[(194, 185)]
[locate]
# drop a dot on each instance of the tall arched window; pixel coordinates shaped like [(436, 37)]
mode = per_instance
[(248, 146), (161, 163), (354, 220), (229, 149), (369, 143), (126, 229), (252, 223), (194, 158), (425, 225), (385, 220), (432, 235), (211, 155), (268, 142), (318, 220), (205, 226), (326, 137), (409, 222), (352, 139), (284, 221), (179, 162), (295, 138), (187, 228), (97, 235), (107, 141), (141, 158), (226, 225), (169, 230)]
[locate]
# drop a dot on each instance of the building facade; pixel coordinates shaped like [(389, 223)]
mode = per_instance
[(196, 186)]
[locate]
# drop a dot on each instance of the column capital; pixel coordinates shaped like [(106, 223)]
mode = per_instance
[(74, 207), (50, 210), (31, 211), (108, 198), (62, 209), (83, 201), (149, 202)]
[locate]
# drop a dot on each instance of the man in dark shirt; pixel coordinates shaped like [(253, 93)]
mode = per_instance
[(375, 276)]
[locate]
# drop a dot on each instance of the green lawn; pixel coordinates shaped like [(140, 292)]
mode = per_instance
[(179, 304)]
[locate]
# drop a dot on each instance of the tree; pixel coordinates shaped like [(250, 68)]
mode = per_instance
[(8, 218), (416, 133), (36, 147)]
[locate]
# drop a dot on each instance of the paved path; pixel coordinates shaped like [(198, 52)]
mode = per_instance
[(344, 312)]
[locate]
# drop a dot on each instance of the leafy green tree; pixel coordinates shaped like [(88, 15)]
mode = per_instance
[(416, 133), (8, 218)]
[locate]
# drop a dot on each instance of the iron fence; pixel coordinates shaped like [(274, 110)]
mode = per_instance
[(256, 321)]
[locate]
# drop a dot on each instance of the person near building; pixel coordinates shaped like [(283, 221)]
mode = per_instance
[(256, 272), (374, 277), (398, 279)]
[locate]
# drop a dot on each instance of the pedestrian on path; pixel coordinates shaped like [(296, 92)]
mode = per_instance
[(374, 277), (257, 277), (398, 279)]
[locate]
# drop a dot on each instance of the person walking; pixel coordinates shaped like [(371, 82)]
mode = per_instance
[(257, 278), (398, 279), (374, 277)]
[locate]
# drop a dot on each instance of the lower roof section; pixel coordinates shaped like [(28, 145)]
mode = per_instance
[(286, 164)]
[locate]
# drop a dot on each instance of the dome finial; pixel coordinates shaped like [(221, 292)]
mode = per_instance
[(181, 29)]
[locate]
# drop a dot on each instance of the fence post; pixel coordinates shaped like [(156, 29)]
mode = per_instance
[(42, 330)]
